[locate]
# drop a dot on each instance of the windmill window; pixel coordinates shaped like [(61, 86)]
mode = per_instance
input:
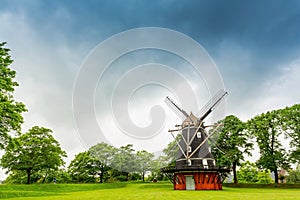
[(199, 135), (205, 165)]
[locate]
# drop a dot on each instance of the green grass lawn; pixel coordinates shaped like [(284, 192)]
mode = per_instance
[(143, 191)]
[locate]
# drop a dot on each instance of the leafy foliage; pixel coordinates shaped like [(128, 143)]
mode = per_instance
[(144, 160), (33, 151), (264, 176), (104, 154), (232, 143), (266, 129), (171, 151), (83, 168), (156, 165), (248, 173), (294, 175), (290, 123), (125, 160), (10, 110)]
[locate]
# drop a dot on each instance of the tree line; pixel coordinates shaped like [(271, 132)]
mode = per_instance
[(268, 130), (35, 156)]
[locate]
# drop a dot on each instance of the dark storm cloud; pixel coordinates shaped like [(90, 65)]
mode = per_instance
[(250, 41), (269, 30)]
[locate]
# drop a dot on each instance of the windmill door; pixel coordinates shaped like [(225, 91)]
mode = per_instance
[(190, 183)]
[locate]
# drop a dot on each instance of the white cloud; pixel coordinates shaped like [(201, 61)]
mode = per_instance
[(276, 93)]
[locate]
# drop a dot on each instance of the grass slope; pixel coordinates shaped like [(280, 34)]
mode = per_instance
[(143, 191)]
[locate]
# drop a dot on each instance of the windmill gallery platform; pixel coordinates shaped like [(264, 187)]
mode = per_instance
[(195, 167)]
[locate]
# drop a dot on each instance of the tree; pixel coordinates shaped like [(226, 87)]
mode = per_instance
[(264, 176), (266, 129), (61, 175), (156, 165), (294, 175), (83, 168), (10, 110), (290, 123), (104, 153), (124, 160), (171, 151), (231, 144), (248, 173), (33, 151), (144, 160)]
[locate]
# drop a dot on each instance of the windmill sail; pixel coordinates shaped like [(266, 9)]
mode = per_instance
[(176, 108), (207, 109)]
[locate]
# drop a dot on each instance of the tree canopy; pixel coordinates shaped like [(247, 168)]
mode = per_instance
[(290, 124), (33, 151), (104, 154), (10, 110), (83, 168), (266, 129), (144, 161), (232, 144), (124, 160)]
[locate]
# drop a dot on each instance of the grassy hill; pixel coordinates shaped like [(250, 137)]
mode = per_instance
[(143, 191)]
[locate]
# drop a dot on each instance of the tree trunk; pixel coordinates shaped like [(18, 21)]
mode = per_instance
[(101, 174), (143, 174), (127, 176), (44, 179), (234, 172), (276, 176), (28, 175)]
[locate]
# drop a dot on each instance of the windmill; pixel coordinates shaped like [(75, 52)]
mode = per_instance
[(195, 167)]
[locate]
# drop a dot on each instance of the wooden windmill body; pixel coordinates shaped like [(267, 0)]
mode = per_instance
[(195, 167)]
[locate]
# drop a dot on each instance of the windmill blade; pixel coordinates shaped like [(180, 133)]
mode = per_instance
[(211, 140), (175, 108), (207, 109)]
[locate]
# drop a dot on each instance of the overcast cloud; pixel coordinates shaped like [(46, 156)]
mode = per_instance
[(255, 45)]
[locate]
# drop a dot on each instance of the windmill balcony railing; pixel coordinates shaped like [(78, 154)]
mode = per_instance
[(173, 169)]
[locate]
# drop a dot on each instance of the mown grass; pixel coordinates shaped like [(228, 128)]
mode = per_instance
[(143, 191)]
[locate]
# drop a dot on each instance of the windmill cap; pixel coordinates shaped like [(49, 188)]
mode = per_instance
[(192, 119)]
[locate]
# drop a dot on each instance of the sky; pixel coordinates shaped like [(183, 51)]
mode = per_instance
[(254, 45)]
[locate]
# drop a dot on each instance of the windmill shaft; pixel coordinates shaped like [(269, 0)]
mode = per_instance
[(208, 136)]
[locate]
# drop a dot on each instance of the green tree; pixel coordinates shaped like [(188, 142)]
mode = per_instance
[(264, 176), (61, 175), (16, 177), (33, 151), (104, 153), (231, 144), (156, 165), (266, 129), (248, 173), (171, 151), (144, 161), (10, 110), (290, 123), (124, 160), (47, 176), (83, 168), (294, 175)]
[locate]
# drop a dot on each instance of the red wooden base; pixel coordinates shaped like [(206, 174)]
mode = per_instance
[(197, 181)]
